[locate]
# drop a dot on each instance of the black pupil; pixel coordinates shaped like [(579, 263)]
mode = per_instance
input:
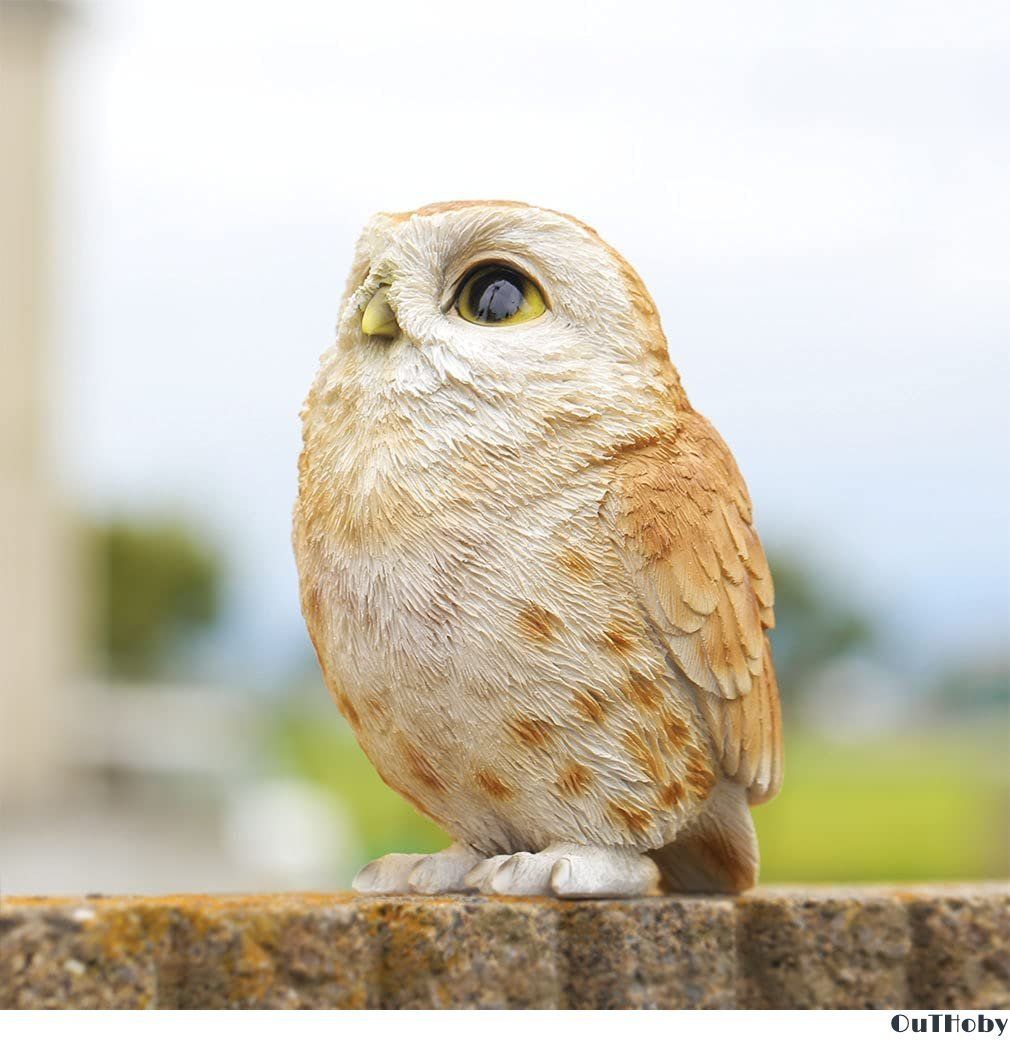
[(495, 294)]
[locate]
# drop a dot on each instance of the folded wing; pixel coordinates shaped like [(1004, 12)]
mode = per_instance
[(680, 517)]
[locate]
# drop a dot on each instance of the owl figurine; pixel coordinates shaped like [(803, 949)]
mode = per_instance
[(529, 570)]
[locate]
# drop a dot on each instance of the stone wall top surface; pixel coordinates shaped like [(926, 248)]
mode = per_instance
[(937, 947)]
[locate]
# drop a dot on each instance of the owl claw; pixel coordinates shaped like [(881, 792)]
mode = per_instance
[(561, 875), (386, 875), (480, 876), (604, 873), (563, 870), (441, 873), (519, 875), (566, 870)]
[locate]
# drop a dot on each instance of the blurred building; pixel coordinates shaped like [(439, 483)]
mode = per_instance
[(103, 786), (37, 589)]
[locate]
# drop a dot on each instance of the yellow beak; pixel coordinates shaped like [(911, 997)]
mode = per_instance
[(378, 319)]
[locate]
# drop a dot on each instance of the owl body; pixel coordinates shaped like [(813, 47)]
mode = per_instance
[(492, 573)]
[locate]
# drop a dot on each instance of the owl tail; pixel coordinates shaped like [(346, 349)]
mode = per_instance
[(717, 852)]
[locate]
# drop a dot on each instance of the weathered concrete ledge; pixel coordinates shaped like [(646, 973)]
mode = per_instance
[(921, 947)]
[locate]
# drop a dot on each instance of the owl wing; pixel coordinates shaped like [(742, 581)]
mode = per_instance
[(680, 517)]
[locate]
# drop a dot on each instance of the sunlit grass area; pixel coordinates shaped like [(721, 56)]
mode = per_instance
[(920, 808)]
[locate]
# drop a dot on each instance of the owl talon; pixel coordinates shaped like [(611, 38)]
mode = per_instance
[(566, 870), (441, 873), (479, 878), (604, 873), (521, 875), (386, 875)]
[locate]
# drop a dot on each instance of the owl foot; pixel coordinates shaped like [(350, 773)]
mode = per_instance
[(441, 873), (567, 870)]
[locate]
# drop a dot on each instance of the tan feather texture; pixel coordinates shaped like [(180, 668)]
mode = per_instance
[(683, 525)]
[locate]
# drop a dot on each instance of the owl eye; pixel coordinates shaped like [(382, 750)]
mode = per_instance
[(497, 295)]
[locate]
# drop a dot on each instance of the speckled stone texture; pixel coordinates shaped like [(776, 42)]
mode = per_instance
[(938, 947)]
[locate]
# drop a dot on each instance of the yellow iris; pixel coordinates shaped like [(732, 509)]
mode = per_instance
[(497, 295)]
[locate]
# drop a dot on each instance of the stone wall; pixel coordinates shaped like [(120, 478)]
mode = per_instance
[(937, 947)]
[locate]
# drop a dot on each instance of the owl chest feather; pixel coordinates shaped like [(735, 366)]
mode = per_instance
[(438, 554), (422, 510), (477, 628)]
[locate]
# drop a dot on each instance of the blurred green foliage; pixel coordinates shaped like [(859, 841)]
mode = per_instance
[(159, 584), (981, 685), (923, 807), (814, 624), (324, 751)]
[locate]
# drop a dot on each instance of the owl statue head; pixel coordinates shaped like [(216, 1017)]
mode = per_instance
[(498, 296)]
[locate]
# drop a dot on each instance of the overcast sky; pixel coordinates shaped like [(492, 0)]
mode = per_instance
[(817, 196)]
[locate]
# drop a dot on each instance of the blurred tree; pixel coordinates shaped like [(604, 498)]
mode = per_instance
[(160, 584), (814, 623), (980, 685)]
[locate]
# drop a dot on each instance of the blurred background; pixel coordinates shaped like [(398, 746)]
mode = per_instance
[(816, 196)]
